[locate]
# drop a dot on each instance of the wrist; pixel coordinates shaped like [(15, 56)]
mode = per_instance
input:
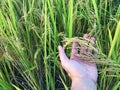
[(83, 83)]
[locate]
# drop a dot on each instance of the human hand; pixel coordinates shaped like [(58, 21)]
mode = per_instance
[(76, 67)]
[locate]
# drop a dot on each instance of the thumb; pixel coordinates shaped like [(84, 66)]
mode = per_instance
[(62, 54), (64, 59)]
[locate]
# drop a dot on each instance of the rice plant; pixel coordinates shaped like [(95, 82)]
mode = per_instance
[(31, 30)]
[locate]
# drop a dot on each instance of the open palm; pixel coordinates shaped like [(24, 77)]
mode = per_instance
[(76, 67)]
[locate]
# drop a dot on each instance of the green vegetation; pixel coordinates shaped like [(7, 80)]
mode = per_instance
[(31, 30)]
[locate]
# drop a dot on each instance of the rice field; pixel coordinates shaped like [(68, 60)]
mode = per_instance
[(31, 30)]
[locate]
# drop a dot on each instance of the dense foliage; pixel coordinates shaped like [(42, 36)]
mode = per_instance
[(31, 30)]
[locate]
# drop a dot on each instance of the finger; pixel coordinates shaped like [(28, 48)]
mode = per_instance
[(62, 54), (92, 41), (95, 53), (86, 36), (64, 59), (74, 50), (82, 48)]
